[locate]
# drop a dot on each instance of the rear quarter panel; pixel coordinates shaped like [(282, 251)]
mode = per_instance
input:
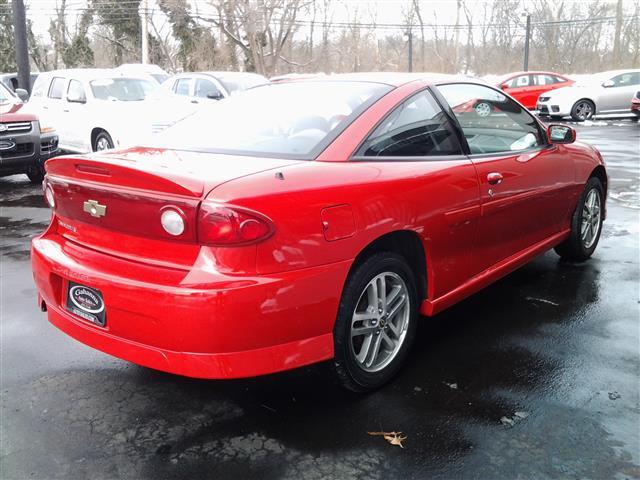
[(437, 200)]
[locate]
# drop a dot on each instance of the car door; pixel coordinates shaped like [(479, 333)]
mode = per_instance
[(53, 108), (526, 185), (541, 83), (520, 89), (75, 116), (616, 96), (416, 148)]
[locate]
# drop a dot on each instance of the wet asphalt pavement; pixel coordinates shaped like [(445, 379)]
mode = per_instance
[(535, 377)]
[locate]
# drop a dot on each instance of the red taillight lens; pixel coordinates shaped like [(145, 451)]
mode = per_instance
[(225, 225)]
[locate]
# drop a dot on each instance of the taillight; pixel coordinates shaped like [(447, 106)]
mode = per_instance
[(226, 225)]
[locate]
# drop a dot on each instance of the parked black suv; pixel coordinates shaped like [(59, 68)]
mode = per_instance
[(24, 147)]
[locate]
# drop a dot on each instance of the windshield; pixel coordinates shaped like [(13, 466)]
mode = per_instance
[(5, 95), (292, 120), (122, 89), (237, 83)]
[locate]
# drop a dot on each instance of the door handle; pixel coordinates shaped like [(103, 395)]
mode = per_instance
[(67, 111), (494, 178)]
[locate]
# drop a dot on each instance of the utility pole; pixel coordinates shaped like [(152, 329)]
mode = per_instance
[(145, 32), (527, 36), (410, 35), (22, 49)]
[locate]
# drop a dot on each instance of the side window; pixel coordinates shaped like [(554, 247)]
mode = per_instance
[(416, 128), (559, 79), (57, 88), (626, 79), (206, 89), (541, 80), (523, 81), (75, 91), (490, 121), (510, 83), (182, 86)]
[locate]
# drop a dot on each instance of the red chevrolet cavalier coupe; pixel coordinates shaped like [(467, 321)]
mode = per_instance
[(309, 221)]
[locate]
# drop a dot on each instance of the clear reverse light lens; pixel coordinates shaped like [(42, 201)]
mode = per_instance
[(48, 195), (172, 222)]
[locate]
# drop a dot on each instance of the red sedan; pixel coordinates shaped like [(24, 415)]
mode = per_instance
[(526, 87), (308, 221)]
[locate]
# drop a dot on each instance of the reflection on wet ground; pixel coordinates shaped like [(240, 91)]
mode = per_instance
[(534, 377)]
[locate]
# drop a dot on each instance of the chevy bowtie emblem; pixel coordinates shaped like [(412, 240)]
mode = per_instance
[(94, 209)]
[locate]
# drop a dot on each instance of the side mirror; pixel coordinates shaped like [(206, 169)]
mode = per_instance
[(22, 94), (504, 86), (561, 134), (73, 98), (608, 84), (215, 96)]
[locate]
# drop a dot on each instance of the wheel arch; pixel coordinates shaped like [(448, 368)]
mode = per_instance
[(595, 105), (409, 245), (601, 174), (95, 131)]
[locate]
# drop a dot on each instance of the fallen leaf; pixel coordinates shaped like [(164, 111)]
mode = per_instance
[(394, 438)]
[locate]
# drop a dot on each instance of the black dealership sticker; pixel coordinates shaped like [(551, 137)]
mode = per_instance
[(87, 303)]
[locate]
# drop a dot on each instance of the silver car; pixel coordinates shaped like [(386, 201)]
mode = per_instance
[(602, 94)]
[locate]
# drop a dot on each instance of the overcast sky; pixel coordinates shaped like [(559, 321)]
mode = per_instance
[(40, 12)]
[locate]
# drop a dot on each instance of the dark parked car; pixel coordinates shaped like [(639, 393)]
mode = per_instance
[(24, 145)]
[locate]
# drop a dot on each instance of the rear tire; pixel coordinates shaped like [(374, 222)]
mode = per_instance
[(583, 110), (102, 142), (586, 224), (372, 336)]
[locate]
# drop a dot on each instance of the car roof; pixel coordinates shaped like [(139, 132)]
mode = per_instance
[(531, 72), (92, 73), (395, 79)]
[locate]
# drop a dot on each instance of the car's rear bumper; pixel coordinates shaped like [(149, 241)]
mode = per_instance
[(231, 327)]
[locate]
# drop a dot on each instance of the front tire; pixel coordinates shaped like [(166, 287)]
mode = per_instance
[(586, 224), (102, 142), (376, 322), (583, 110), (36, 175)]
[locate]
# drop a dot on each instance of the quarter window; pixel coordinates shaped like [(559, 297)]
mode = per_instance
[(182, 86), (491, 122), (416, 128), (57, 88)]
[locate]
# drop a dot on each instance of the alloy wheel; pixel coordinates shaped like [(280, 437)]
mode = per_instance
[(584, 110), (379, 322), (102, 144), (591, 219)]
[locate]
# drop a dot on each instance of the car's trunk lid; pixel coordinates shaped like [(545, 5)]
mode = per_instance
[(112, 202)]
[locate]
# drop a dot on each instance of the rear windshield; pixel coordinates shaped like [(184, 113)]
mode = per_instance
[(122, 89), (293, 120)]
